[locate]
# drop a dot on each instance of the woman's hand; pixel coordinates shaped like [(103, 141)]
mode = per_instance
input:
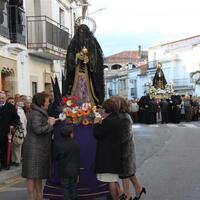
[(97, 120), (51, 120)]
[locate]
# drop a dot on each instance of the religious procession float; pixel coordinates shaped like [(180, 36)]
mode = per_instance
[(159, 88), (82, 93)]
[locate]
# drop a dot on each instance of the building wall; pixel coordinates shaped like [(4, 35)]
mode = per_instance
[(29, 7), (58, 68), (28, 68), (47, 7), (111, 88), (56, 5), (116, 82), (71, 13), (38, 67), (132, 83), (178, 62), (23, 73)]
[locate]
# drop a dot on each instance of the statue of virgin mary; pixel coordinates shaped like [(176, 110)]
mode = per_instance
[(84, 68), (159, 80)]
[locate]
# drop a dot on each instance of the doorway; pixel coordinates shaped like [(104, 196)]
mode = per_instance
[(8, 80)]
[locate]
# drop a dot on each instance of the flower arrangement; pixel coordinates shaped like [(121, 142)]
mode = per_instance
[(76, 112), (161, 93)]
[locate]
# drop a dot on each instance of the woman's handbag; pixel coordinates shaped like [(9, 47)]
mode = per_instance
[(18, 136)]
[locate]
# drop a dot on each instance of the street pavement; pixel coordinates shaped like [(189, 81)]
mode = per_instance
[(168, 163), (168, 160)]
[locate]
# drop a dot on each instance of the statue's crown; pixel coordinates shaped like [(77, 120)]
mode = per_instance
[(159, 65)]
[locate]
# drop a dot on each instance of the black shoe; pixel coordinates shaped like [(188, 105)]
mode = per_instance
[(139, 196), (3, 167), (16, 165), (122, 197)]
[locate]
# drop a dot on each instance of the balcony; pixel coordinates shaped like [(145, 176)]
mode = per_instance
[(4, 30), (47, 38), (17, 25)]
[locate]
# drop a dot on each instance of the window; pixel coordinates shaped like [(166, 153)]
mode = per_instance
[(34, 88), (110, 92), (133, 92), (61, 17)]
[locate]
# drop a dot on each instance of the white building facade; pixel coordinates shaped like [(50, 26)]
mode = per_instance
[(118, 79), (37, 49), (180, 64), (12, 43)]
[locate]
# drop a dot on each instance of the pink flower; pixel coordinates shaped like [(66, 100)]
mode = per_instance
[(74, 97), (74, 105)]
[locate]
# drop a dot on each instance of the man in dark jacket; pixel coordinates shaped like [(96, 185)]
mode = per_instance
[(67, 153), (8, 119), (164, 108)]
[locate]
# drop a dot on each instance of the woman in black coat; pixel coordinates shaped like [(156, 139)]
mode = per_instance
[(128, 150), (108, 163), (37, 145), (8, 119)]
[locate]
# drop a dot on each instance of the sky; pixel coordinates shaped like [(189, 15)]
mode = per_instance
[(125, 24)]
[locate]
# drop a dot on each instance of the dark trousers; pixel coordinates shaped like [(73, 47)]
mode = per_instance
[(164, 117), (155, 117), (69, 188), (3, 154)]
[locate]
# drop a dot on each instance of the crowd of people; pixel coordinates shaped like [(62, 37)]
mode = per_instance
[(115, 151), (30, 114), (13, 112), (173, 110)]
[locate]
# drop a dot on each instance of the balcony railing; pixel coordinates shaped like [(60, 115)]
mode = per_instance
[(44, 32), (17, 24), (4, 31)]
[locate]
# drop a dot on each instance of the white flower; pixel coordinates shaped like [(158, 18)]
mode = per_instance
[(74, 110), (85, 106), (94, 108), (97, 114), (69, 102), (62, 116)]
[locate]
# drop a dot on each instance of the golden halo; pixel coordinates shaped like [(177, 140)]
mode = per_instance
[(87, 21)]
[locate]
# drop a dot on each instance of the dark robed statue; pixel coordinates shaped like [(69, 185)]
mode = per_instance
[(159, 80), (84, 67)]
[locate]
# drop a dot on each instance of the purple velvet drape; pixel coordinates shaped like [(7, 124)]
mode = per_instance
[(89, 187)]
